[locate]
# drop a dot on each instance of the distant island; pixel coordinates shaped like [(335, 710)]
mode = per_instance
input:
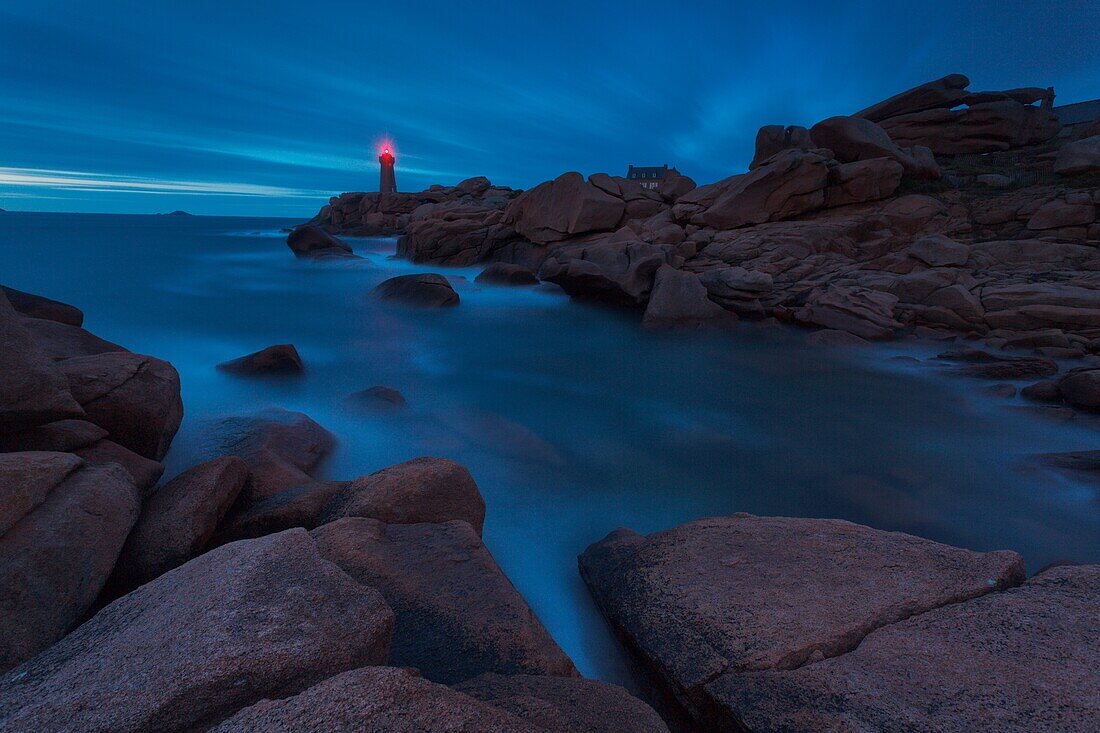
[(177, 213)]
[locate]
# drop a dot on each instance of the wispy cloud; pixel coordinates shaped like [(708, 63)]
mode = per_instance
[(103, 182)]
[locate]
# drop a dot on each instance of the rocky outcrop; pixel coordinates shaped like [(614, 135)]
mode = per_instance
[(64, 341), (565, 703), (37, 306), (312, 242), (255, 619), (679, 300), (279, 359), (280, 447), (854, 139), (377, 700), (718, 598), (135, 398), (33, 391), (419, 291), (566, 206), (300, 506), (177, 522), (930, 116), (457, 615), (432, 490), (67, 522), (1021, 660), (619, 272)]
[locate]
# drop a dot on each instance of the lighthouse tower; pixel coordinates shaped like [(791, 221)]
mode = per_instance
[(387, 182)]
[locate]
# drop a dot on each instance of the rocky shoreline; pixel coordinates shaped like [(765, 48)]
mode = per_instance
[(248, 594)]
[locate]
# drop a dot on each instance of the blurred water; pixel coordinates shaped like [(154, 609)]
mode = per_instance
[(573, 419)]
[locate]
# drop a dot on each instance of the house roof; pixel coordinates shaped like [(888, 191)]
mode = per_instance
[(1073, 114)]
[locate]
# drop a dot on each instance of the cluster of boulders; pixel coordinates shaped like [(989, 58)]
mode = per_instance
[(374, 214), (245, 593), (939, 212), (783, 624)]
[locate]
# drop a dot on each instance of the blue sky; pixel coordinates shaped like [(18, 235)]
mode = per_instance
[(268, 108)]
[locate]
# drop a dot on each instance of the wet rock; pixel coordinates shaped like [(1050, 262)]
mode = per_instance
[(280, 447), (300, 506), (1016, 661), (135, 398), (1081, 388), (731, 595), (738, 289), (829, 337), (377, 397), (1004, 390), (619, 272), (312, 242), (37, 306), (936, 250), (279, 359), (565, 704), (1044, 390), (422, 291), (432, 490), (504, 273), (566, 206), (64, 341), (679, 300), (1080, 156), (376, 700), (65, 436), (33, 391), (984, 365), (56, 558), (458, 616), (254, 619), (866, 313), (177, 521)]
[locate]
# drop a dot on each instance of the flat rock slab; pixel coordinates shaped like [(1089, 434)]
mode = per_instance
[(744, 593), (1024, 661), (458, 615), (566, 703), (376, 700), (254, 619)]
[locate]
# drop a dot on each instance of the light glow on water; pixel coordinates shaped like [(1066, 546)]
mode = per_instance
[(572, 418)]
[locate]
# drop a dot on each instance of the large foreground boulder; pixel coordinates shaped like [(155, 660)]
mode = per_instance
[(135, 398), (255, 619), (458, 616), (312, 242), (177, 521), (377, 700), (55, 559), (421, 291), (734, 594), (1014, 662), (431, 490), (566, 206), (281, 449), (33, 390), (566, 703)]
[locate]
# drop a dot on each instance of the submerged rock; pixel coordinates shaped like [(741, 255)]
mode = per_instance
[(279, 359), (377, 397), (254, 619), (312, 242), (458, 616), (422, 291), (506, 273)]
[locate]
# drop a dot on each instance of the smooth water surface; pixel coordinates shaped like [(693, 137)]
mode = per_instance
[(573, 419)]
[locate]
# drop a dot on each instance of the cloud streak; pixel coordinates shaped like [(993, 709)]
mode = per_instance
[(106, 182)]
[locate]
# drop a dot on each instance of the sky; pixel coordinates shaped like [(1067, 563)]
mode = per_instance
[(267, 109)]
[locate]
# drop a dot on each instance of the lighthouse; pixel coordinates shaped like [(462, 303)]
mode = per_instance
[(387, 182)]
